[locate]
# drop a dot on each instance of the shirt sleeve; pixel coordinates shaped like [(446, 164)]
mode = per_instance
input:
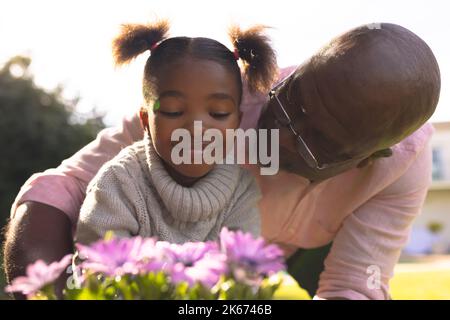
[(64, 187), (368, 245)]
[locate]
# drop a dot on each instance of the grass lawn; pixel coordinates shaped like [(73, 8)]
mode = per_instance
[(410, 282), (420, 282)]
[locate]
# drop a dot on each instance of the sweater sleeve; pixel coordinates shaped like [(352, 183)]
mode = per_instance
[(244, 214), (111, 204)]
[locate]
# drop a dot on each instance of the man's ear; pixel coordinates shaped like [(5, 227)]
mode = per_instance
[(143, 115), (383, 153)]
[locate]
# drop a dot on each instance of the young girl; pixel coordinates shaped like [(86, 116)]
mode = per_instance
[(141, 191)]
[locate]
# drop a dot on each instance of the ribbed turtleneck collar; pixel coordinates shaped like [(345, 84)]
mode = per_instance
[(202, 201)]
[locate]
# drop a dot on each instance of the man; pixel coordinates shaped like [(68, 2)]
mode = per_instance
[(354, 156)]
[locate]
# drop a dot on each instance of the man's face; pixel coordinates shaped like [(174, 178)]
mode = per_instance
[(332, 144)]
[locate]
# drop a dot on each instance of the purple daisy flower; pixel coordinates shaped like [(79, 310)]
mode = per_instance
[(196, 262), (38, 275), (114, 257), (120, 256), (152, 256), (250, 258)]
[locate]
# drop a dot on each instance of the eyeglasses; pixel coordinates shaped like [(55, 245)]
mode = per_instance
[(283, 119)]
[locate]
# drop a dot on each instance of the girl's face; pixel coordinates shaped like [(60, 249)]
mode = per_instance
[(192, 90)]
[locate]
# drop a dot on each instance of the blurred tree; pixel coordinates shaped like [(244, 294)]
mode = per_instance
[(38, 129)]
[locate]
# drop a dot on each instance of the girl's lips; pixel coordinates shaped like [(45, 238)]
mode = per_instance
[(203, 145)]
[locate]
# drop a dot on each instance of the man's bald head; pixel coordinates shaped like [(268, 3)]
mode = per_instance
[(381, 84), (347, 105)]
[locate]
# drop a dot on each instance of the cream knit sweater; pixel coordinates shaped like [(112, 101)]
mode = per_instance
[(134, 195)]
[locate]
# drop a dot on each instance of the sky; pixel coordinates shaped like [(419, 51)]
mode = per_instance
[(70, 41)]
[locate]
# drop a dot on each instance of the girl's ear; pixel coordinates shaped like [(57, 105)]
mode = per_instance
[(143, 115)]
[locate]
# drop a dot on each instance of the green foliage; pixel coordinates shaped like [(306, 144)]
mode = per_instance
[(435, 226), (151, 286), (158, 286), (232, 289), (38, 129)]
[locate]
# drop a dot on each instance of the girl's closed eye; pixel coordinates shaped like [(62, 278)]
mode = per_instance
[(170, 114), (220, 115), (170, 104)]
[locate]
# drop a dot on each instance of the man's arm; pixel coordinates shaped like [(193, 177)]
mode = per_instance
[(367, 247), (37, 232)]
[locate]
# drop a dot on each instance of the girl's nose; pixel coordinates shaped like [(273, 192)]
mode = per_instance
[(196, 124)]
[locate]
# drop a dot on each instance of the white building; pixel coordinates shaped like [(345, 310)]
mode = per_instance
[(437, 204)]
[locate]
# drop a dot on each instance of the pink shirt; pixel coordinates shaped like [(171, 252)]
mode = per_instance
[(367, 213)]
